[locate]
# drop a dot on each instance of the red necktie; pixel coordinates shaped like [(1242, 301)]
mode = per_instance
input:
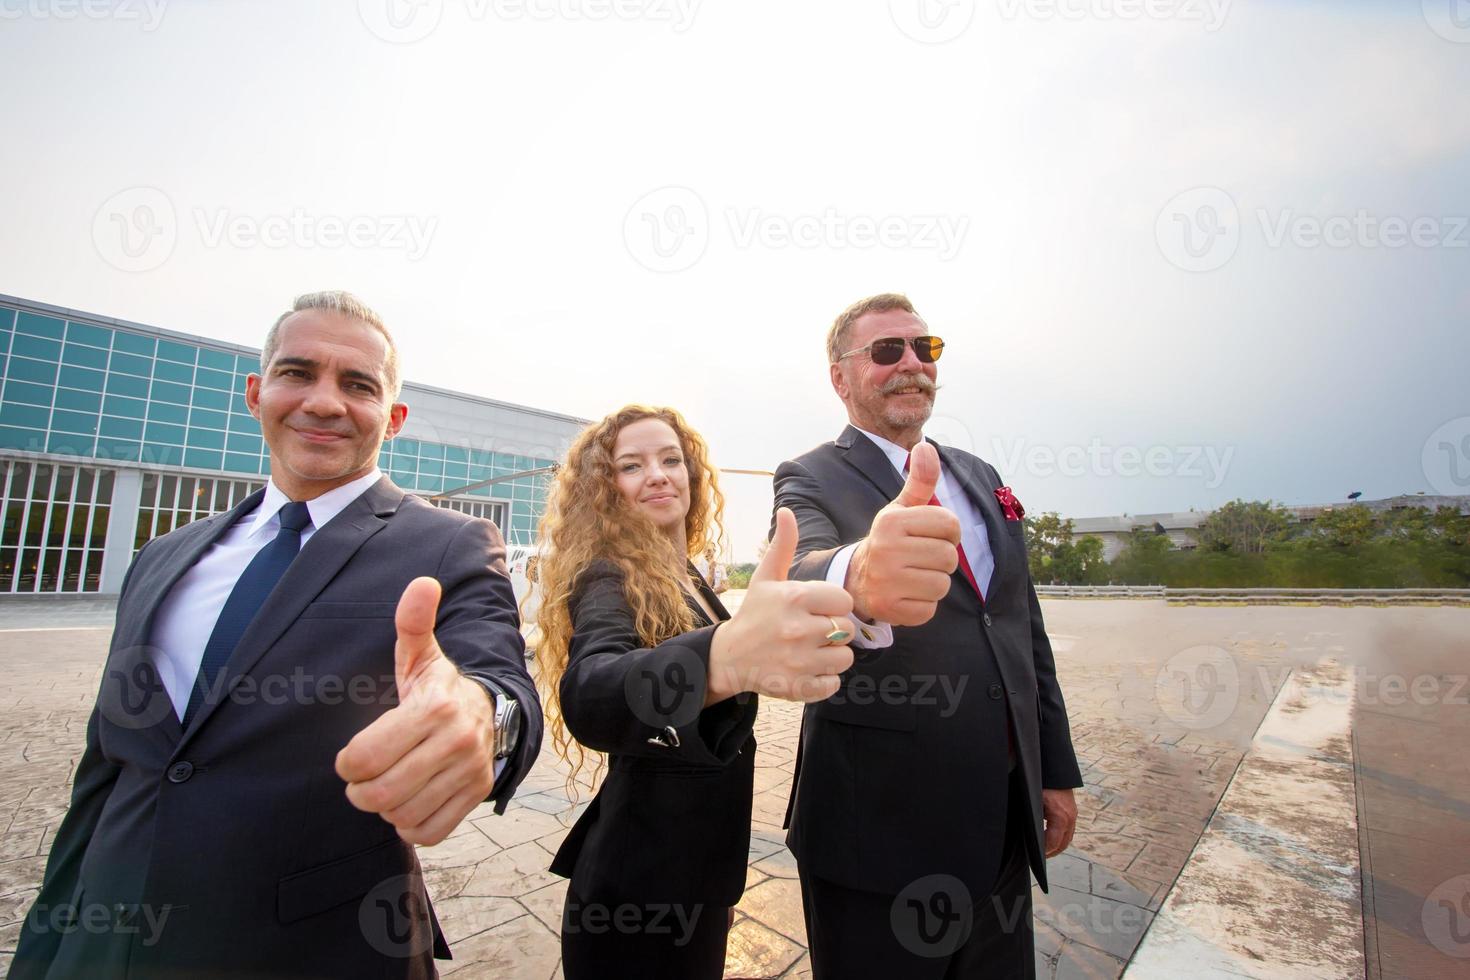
[(964, 562)]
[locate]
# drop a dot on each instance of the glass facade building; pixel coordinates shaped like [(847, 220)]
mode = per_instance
[(112, 433)]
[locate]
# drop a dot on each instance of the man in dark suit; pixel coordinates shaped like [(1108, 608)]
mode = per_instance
[(296, 693), (922, 785)]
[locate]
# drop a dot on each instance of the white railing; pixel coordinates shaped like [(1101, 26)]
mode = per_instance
[(1266, 596)]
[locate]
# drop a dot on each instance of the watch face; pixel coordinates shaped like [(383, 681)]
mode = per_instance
[(507, 729)]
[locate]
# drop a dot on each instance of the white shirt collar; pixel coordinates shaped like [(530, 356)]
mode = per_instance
[(322, 509), (897, 455)]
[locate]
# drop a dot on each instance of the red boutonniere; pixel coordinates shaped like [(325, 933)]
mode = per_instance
[(1009, 504)]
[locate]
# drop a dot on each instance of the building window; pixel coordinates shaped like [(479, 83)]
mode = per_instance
[(169, 501), (55, 526), (490, 510)]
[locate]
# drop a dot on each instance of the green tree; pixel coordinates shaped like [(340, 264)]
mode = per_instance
[(1244, 527)]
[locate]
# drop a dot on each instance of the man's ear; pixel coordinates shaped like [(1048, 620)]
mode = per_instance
[(397, 415), (252, 394), (839, 383)]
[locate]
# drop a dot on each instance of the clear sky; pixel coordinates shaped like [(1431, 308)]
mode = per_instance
[(1180, 251)]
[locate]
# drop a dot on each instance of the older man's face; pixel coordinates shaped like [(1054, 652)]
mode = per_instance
[(885, 399), (323, 402)]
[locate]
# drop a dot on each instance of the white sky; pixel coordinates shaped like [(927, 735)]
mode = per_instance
[(1026, 166)]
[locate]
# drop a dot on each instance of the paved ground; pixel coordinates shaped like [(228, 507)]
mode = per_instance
[(1164, 702)]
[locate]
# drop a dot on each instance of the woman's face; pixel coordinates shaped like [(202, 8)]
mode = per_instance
[(651, 474)]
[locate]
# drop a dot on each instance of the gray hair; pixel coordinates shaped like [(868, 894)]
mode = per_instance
[(348, 305), (841, 328)]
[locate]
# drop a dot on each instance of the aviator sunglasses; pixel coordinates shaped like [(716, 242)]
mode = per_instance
[(889, 350)]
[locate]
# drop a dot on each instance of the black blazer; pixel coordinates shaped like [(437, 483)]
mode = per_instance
[(671, 821), (239, 825), (904, 771)]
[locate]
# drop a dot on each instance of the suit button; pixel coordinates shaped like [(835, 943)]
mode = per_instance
[(180, 772), (985, 619), (123, 915), (995, 692)]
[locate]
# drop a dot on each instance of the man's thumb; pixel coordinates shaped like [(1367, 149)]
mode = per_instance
[(918, 489), (777, 560), (416, 646)]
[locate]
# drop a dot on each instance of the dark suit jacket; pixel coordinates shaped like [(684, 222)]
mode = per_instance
[(903, 772), (239, 826), (671, 821)]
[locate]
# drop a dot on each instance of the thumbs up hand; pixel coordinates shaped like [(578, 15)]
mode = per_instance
[(777, 644), (427, 762), (901, 570)]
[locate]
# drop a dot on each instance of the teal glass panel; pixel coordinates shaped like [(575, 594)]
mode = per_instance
[(85, 333), (216, 401), (128, 408), (27, 394), (206, 439), (405, 447), (157, 432), (246, 364), (457, 471), (241, 464), (83, 422), (244, 423), (132, 364), (247, 444), (120, 449), (456, 454), (25, 369), (520, 508), (88, 357), (40, 326), (163, 391), (204, 459), (120, 428), (170, 350), (431, 467), (431, 450), (83, 378), (38, 347), (217, 360), (431, 483), (25, 416), (482, 457), (163, 455), (122, 384), (237, 402), (170, 371), (16, 438), (78, 401), (206, 419), (222, 380), (7, 319), (163, 412), (132, 343), (404, 478), (71, 443)]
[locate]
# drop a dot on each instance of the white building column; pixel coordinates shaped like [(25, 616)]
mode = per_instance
[(122, 527)]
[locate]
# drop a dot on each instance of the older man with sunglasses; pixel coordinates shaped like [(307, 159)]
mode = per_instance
[(942, 769)]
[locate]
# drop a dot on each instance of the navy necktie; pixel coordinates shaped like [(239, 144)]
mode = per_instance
[(254, 584)]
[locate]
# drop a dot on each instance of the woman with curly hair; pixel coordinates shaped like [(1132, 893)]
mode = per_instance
[(640, 661)]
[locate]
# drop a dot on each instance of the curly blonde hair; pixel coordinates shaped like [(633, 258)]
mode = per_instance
[(587, 518)]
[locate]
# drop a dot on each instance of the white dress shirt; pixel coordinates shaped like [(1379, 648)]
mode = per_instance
[(974, 537), (186, 618)]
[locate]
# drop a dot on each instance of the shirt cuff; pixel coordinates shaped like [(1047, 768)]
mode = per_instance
[(866, 636)]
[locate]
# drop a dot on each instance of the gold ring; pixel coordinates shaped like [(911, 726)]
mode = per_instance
[(838, 635)]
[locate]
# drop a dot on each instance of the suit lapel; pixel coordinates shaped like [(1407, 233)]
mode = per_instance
[(320, 560), (863, 455), (977, 486)]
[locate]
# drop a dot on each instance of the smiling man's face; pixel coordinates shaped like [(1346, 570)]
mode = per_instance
[(892, 400), (323, 402)]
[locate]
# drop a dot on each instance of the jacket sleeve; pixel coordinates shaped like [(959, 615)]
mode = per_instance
[(618, 696), (817, 538), (41, 932), (479, 629)]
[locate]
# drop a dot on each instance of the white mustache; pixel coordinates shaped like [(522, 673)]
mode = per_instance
[(920, 381)]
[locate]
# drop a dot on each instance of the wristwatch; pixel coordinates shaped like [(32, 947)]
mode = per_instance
[(507, 720)]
